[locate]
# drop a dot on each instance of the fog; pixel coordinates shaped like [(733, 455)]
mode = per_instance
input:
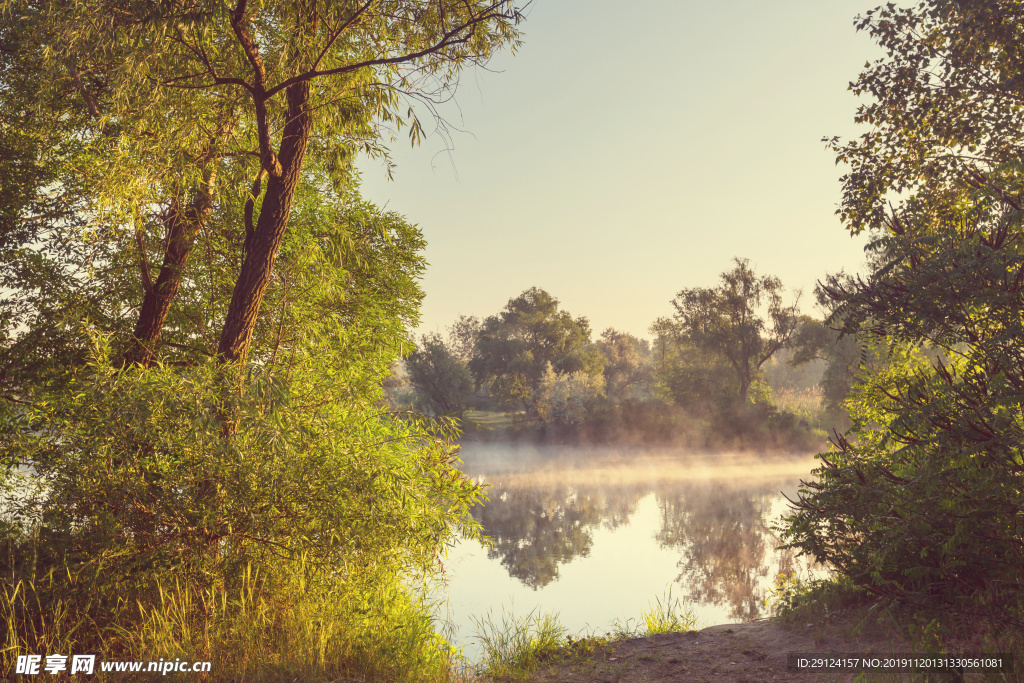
[(531, 465)]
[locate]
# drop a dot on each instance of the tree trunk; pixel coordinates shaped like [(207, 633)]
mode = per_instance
[(182, 229), (156, 304), (263, 243)]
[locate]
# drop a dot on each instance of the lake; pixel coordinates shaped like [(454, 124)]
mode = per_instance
[(597, 534)]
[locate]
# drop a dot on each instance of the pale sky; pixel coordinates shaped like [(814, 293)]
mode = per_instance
[(630, 150)]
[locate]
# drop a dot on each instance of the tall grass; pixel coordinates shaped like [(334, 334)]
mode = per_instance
[(36, 623), (667, 617), (296, 629), (516, 645)]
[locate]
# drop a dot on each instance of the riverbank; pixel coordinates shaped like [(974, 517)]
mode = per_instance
[(825, 619), (754, 652)]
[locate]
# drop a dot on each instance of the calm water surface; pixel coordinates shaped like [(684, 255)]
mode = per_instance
[(597, 534)]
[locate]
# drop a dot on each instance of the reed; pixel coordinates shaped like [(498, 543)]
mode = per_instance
[(294, 628)]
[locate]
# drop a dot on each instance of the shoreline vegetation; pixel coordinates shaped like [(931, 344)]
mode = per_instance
[(679, 431), (666, 644)]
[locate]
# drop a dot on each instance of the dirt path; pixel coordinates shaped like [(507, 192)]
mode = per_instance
[(738, 653)]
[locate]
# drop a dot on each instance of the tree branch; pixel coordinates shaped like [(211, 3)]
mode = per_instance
[(260, 96), (90, 102), (250, 205), (452, 37), (147, 282), (338, 33)]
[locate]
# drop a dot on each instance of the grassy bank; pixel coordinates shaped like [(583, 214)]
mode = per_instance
[(297, 630), (515, 646), (820, 616)]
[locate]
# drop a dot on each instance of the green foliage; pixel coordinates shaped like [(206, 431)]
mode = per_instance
[(919, 502), (944, 112), (923, 501), (441, 378), (142, 78), (785, 591), (563, 399), (845, 355), (684, 389), (188, 131), (462, 336), (811, 341), (134, 474), (688, 375), (627, 366), (796, 599), (514, 348), (667, 617), (725, 321), (708, 357), (140, 507), (519, 644), (199, 313)]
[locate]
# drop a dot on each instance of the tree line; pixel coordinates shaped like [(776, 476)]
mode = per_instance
[(707, 362)]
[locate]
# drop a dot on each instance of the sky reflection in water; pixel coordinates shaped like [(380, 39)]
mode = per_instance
[(596, 534)]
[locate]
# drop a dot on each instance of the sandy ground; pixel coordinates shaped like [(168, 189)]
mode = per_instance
[(739, 653)]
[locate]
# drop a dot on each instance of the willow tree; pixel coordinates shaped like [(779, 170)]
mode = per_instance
[(190, 106), (182, 220)]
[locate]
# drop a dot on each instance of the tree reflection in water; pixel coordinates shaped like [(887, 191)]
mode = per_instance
[(726, 545), (727, 552), (534, 529)]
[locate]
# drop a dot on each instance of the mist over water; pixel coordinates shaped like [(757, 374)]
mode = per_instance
[(595, 534)]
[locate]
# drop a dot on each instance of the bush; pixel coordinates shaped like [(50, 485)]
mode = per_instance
[(922, 500), (143, 526)]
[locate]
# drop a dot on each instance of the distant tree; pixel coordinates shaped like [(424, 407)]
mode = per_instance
[(462, 336), (811, 340), (687, 375), (845, 355), (440, 377), (564, 398), (627, 365), (726, 320), (399, 394), (514, 347)]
